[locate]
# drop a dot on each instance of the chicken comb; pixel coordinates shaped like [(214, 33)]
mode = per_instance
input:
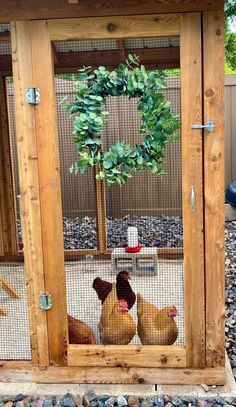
[(123, 303)]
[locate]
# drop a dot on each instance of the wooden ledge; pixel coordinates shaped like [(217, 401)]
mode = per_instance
[(16, 372), (126, 356)]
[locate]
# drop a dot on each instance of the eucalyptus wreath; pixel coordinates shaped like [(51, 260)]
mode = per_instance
[(158, 124)]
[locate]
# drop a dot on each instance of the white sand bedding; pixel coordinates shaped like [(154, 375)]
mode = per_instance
[(165, 288)]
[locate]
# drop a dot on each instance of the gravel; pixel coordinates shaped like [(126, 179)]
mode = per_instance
[(135, 401), (230, 275)]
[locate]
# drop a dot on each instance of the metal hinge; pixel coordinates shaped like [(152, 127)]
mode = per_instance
[(45, 301), (33, 96), (208, 126)]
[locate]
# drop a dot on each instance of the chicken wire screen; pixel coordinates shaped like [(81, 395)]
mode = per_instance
[(14, 319), (104, 305)]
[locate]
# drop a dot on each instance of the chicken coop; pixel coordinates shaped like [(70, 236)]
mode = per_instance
[(112, 191)]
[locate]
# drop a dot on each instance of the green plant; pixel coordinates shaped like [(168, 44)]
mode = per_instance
[(158, 126)]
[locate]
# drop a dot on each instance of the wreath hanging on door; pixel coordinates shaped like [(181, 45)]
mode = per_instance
[(158, 124)]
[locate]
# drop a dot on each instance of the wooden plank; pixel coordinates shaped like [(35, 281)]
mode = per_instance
[(163, 253), (17, 372), (152, 58), (114, 27), (127, 356), (43, 9), (213, 47), (162, 58), (8, 200), (50, 190), (29, 187), (191, 89), (230, 213), (101, 216)]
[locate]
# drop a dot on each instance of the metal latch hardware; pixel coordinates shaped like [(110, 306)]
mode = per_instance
[(33, 96), (208, 126), (45, 301), (193, 200)]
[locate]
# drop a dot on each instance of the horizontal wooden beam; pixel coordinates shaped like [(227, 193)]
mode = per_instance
[(21, 371), (114, 27), (126, 356), (152, 58), (162, 253), (44, 9)]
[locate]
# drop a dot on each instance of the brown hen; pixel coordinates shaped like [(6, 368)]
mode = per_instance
[(123, 288), (116, 326), (156, 327), (79, 332)]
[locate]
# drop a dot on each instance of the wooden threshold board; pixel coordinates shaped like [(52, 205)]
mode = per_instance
[(20, 371), (126, 356)]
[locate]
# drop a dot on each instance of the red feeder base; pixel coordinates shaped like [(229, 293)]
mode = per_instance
[(133, 249)]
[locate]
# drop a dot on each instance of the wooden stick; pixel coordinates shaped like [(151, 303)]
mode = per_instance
[(3, 312), (8, 289)]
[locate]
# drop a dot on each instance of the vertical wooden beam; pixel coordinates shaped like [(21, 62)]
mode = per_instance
[(213, 46), (29, 188), (101, 215), (7, 200), (50, 190), (191, 113)]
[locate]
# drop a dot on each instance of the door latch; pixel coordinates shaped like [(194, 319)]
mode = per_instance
[(33, 96), (193, 200), (45, 301), (208, 126)]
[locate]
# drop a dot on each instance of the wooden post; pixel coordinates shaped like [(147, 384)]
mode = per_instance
[(213, 46), (50, 190), (29, 188), (7, 201), (101, 215), (191, 113)]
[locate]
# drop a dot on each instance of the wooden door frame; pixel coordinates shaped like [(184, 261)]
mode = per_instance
[(42, 32)]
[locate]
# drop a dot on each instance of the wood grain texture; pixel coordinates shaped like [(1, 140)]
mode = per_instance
[(101, 216), (43, 9), (29, 187), (114, 27), (213, 43), (50, 190), (127, 356), (191, 113), (24, 372), (162, 58), (7, 198)]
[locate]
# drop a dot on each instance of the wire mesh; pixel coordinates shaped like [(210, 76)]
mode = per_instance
[(14, 320), (151, 203), (78, 193)]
